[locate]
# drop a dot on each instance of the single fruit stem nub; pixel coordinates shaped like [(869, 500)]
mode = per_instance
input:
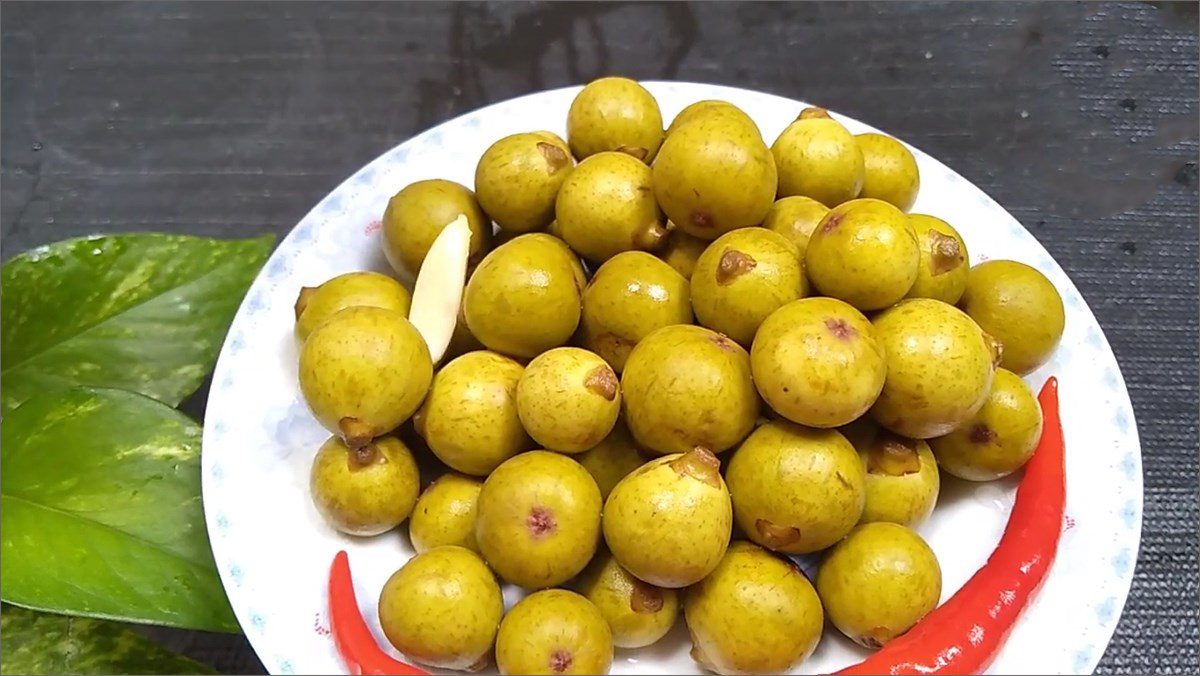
[(306, 293), (355, 433)]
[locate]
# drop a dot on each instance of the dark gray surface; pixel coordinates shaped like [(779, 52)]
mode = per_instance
[(233, 120)]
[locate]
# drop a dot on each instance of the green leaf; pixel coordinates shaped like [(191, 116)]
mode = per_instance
[(145, 313), (100, 511), (35, 643)]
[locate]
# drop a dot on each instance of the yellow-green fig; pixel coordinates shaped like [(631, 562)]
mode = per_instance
[(889, 171), (518, 178), (538, 520), (816, 157), (353, 289), (742, 277), (366, 491), (607, 206), (669, 522), (687, 387), (638, 613), (363, 372), (755, 614), (554, 631), (614, 114), (416, 215), (443, 608)]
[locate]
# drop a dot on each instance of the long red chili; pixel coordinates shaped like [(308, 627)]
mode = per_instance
[(963, 635), (355, 643)]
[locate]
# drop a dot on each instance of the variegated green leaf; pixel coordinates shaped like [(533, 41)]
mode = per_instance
[(100, 511), (145, 313), (38, 643)]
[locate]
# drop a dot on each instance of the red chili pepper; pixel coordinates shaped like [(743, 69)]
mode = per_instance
[(354, 640), (964, 634)]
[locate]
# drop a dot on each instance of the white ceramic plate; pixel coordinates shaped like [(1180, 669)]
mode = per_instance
[(274, 551)]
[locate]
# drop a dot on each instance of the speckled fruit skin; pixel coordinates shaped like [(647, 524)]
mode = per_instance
[(795, 489), (902, 479), (629, 297), (525, 297), (638, 613), (518, 178), (714, 175), (443, 608), (865, 253), (942, 273), (363, 372), (1019, 307), (364, 492), (686, 387), (818, 158), (470, 418), (612, 459), (795, 218), (889, 171), (817, 362), (879, 582), (538, 520), (445, 514), (681, 251), (669, 522), (755, 614), (742, 277), (618, 114), (554, 631), (999, 438), (353, 289), (710, 109), (607, 206), (568, 399), (416, 215), (940, 368)]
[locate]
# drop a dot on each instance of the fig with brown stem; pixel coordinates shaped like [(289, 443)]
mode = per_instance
[(817, 157), (688, 387), (902, 481), (1020, 308), (607, 206), (630, 296), (795, 489), (638, 613), (518, 178), (942, 273), (999, 438), (680, 504), (743, 277), (615, 114), (755, 614), (364, 491), (878, 582), (568, 399), (363, 372), (315, 304)]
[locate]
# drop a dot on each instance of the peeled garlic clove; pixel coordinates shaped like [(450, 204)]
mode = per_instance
[(438, 289)]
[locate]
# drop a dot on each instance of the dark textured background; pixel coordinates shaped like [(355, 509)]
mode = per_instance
[(233, 120)]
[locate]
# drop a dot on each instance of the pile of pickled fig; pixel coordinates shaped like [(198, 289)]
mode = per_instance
[(643, 369)]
